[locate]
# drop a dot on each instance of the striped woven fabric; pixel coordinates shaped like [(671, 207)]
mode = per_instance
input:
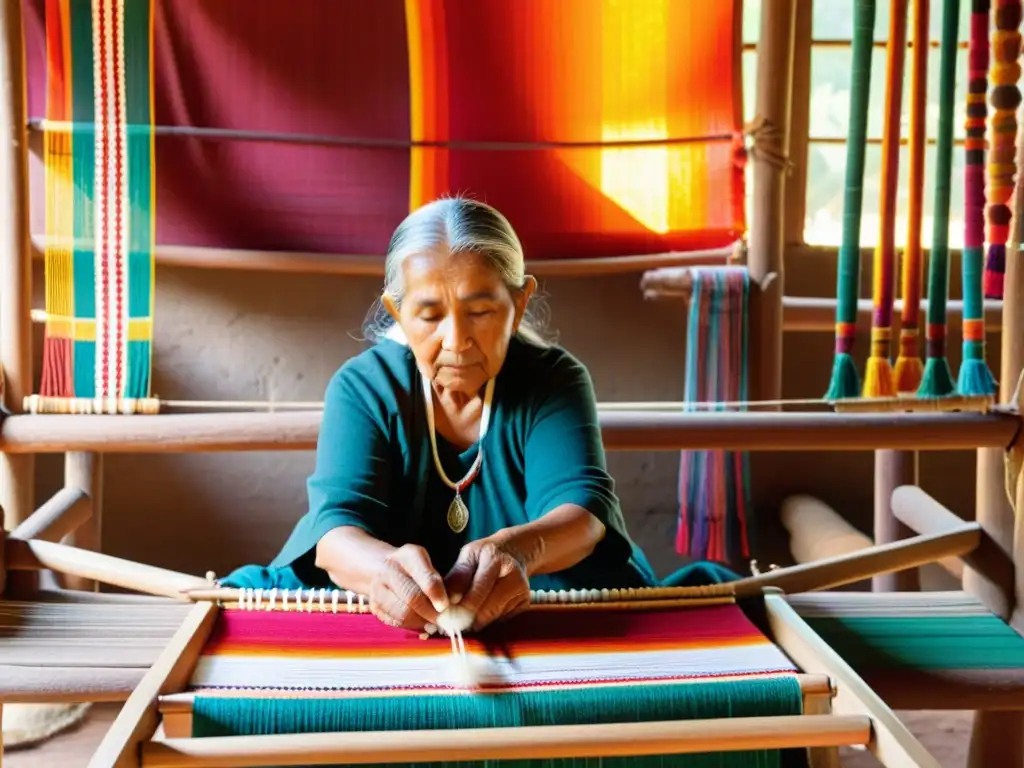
[(600, 128), (276, 651), (99, 177)]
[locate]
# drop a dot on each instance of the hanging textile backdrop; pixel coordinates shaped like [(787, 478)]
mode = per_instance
[(600, 128)]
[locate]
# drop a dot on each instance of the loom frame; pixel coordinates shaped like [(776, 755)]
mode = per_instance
[(781, 44), (130, 741), (862, 719)]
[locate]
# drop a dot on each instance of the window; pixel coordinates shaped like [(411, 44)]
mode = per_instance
[(831, 49)]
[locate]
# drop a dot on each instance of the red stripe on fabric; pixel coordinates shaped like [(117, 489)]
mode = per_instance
[(119, 194), (280, 632), (102, 182)]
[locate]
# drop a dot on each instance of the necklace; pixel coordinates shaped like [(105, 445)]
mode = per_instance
[(458, 512)]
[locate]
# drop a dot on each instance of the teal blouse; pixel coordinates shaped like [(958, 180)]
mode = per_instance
[(375, 470)]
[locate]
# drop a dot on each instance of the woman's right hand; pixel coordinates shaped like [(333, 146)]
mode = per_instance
[(407, 591)]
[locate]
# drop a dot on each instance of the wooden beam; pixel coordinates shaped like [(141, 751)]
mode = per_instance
[(891, 742), (62, 513), (85, 470), (621, 431), (770, 158), (673, 737), (37, 555), (16, 472)]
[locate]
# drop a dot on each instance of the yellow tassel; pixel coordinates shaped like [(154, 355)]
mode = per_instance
[(878, 379), (907, 375)]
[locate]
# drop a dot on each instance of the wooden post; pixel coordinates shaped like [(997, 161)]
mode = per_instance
[(16, 472), (85, 471), (892, 470), (999, 736), (770, 156)]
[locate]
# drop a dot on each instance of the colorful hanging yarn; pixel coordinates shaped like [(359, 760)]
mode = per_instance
[(909, 369), (845, 381), (714, 486), (878, 377), (1005, 98), (975, 377), (938, 378), (98, 159)]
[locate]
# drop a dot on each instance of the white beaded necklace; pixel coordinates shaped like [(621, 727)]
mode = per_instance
[(458, 512)]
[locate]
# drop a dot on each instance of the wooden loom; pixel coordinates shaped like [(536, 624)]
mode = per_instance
[(839, 706), (22, 436)]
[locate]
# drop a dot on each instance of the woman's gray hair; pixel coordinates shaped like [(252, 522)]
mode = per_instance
[(454, 225)]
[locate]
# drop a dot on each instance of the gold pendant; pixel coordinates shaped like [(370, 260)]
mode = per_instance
[(458, 514)]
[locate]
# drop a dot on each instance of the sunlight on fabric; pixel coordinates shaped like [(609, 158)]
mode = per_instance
[(636, 178)]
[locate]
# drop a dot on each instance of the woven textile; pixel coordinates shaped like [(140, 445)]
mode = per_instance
[(98, 207), (284, 672), (600, 128), (280, 650)]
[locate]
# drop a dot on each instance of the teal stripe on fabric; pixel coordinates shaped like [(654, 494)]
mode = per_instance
[(927, 643), (138, 68), (85, 368), (84, 173), (140, 355), (222, 716), (138, 63)]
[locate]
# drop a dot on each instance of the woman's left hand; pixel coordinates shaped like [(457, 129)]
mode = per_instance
[(489, 581)]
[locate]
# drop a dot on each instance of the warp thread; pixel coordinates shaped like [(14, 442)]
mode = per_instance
[(845, 381), (908, 370), (937, 380), (1004, 98), (714, 487), (878, 375), (975, 378)]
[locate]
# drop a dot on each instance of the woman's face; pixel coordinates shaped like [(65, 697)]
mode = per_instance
[(458, 318)]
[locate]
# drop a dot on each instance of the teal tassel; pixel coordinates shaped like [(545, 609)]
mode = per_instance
[(845, 380), (975, 378), (230, 716), (937, 380)]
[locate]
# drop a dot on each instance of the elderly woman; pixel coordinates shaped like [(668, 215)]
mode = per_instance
[(460, 457)]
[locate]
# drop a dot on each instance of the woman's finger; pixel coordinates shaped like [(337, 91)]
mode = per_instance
[(505, 596), (410, 594), (460, 577), (488, 571), (416, 563), (392, 610)]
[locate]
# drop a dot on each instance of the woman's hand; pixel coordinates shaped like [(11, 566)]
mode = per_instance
[(407, 591), (489, 581)]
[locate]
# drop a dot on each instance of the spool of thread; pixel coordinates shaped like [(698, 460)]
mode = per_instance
[(817, 531)]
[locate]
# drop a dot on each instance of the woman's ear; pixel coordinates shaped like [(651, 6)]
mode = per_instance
[(389, 304), (522, 297)]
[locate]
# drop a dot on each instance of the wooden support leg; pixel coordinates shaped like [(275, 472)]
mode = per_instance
[(892, 470), (997, 738), (85, 471)]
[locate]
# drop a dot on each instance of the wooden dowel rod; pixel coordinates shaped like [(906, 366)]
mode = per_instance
[(181, 703), (923, 514), (203, 433), (802, 314), (370, 265), (863, 564), (37, 555), (152, 406), (526, 743), (62, 513), (821, 574)]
